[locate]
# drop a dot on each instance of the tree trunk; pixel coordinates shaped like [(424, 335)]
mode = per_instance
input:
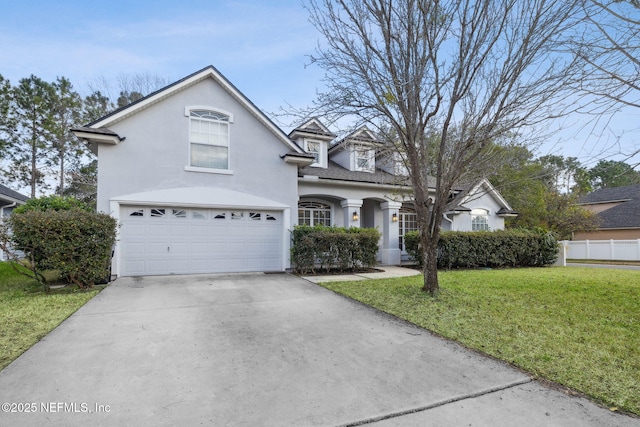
[(34, 167), (430, 264), (61, 157)]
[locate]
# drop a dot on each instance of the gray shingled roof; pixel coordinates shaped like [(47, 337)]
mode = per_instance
[(612, 194), (626, 214), (336, 172), (6, 191)]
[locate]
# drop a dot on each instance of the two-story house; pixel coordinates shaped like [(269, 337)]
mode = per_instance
[(202, 181)]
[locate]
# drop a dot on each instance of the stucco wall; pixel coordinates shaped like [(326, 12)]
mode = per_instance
[(622, 234), (462, 222), (156, 151)]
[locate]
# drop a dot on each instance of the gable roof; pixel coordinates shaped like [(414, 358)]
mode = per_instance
[(208, 72), (10, 196), (362, 135), (313, 128), (472, 191), (624, 215)]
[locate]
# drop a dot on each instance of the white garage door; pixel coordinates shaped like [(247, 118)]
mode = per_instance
[(167, 240)]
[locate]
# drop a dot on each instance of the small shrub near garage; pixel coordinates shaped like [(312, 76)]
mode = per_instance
[(327, 249), (492, 249), (75, 242), (54, 202)]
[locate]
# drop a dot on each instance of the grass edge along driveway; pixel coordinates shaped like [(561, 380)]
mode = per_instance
[(575, 326), (27, 313)]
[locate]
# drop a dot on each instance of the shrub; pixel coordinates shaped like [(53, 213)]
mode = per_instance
[(412, 245), (333, 248), (75, 242), (504, 248), (54, 202)]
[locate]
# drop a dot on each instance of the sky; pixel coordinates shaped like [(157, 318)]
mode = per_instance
[(261, 46)]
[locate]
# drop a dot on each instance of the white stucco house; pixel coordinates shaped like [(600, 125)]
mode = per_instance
[(202, 181), (9, 200)]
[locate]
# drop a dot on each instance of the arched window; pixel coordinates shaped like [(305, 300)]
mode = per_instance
[(209, 139), (479, 220), (314, 213)]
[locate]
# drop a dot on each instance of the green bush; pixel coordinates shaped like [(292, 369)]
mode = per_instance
[(54, 202), (495, 249), (75, 242), (412, 245), (322, 248)]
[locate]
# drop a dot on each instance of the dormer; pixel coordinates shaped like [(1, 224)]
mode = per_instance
[(313, 137), (392, 162), (357, 151)]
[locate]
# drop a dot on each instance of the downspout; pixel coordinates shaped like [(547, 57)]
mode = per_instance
[(12, 205), (444, 215)]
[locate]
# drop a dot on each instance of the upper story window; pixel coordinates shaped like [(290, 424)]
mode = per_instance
[(479, 220), (319, 151), (365, 160), (209, 139)]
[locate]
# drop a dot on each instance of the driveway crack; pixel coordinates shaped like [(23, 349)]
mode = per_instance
[(439, 403)]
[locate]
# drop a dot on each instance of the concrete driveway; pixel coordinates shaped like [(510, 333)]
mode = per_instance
[(254, 349)]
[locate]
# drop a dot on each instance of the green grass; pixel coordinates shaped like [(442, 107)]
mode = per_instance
[(575, 326), (27, 313)]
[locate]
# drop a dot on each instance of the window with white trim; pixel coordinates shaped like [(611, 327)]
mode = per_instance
[(314, 213), (209, 139), (319, 151), (365, 160), (479, 220)]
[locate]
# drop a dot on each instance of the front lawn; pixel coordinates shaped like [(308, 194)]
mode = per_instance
[(27, 313), (575, 326)]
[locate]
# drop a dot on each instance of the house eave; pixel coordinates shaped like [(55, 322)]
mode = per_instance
[(298, 159), (98, 137)]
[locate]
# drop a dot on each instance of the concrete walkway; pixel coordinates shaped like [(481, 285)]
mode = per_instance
[(265, 350), (383, 272)]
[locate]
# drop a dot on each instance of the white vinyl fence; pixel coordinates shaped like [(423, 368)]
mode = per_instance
[(610, 250)]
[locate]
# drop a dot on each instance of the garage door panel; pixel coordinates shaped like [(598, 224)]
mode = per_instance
[(136, 248), (156, 229), (179, 248), (157, 248), (199, 241), (179, 230), (200, 247)]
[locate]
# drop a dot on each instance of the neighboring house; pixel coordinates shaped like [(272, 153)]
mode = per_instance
[(202, 181), (9, 199), (618, 209)]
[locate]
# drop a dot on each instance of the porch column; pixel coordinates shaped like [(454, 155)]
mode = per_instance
[(351, 209), (390, 250)]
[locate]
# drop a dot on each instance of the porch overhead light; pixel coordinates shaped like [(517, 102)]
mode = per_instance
[(394, 217), (355, 216)]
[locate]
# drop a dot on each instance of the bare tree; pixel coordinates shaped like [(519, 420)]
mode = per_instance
[(610, 48), (470, 72)]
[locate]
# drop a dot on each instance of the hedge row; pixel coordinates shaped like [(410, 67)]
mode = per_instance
[(326, 249), (496, 249), (75, 242)]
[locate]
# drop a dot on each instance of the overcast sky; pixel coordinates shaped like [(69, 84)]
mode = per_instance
[(261, 46)]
